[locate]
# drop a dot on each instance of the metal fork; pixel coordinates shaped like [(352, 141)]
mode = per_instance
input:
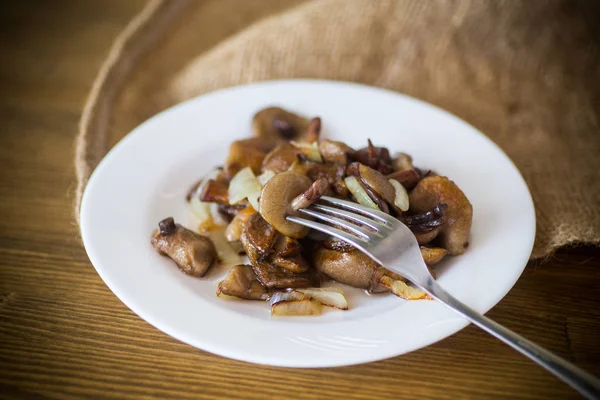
[(391, 244)]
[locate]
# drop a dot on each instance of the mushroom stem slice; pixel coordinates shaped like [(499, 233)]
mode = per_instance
[(276, 202), (194, 254), (313, 193)]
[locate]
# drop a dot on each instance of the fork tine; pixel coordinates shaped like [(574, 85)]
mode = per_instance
[(371, 223), (370, 212), (340, 234), (366, 234)]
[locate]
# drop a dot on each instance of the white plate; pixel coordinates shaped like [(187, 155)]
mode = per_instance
[(145, 177)]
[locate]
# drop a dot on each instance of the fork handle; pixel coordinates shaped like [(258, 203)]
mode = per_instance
[(584, 383)]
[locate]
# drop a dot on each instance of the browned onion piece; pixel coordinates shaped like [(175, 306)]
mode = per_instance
[(427, 221), (377, 158)]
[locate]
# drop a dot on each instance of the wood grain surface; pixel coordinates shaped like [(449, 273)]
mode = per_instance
[(64, 335)]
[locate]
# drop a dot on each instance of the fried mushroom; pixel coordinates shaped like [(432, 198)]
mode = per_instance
[(194, 254), (246, 153), (352, 268), (241, 282), (277, 124), (434, 190), (283, 195)]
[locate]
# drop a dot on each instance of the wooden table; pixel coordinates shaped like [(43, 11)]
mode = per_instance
[(63, 334)]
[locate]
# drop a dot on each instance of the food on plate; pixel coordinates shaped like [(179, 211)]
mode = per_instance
[(194, 254), (241, 209)]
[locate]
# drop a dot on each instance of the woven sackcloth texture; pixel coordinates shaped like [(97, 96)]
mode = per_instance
[(527, 73)]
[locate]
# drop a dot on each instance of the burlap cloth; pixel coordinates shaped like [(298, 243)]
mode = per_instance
[(525, 72)]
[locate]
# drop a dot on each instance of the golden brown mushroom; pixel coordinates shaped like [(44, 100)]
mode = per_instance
[(353, 268), (246, 153), (194, 254), (434, 190), (283, 195), (277, 124)]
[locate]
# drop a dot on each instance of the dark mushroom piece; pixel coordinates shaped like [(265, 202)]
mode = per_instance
[(283, 195), (277, 124), (260, 234), (434, 190), (270, 275), (241, 281), (408, 178), (315, 171), (427, 221), (194, 254), (377, 158)]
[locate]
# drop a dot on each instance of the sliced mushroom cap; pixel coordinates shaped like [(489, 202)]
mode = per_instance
[(246, 153), (276, 124), (352, 268), (276, 202), (241, 281), (434, 190), (194, 254), (433, 255), (316, 190), (280, 158), (335, 152)]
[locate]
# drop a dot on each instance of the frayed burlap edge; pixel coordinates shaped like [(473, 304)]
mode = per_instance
[(90, 143), (139, 35)]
